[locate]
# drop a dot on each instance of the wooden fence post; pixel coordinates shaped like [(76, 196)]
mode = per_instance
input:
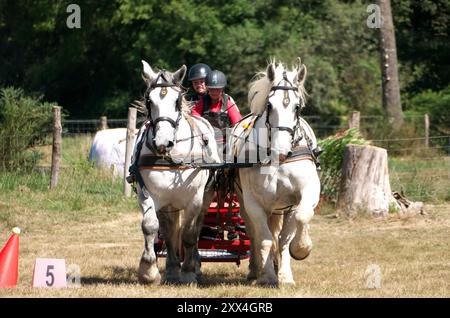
[(427, 130), (103, 123), (131, 127), (56, 149), (354, 119)]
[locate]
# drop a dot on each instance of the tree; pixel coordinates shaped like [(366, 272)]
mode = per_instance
[(389, 71)]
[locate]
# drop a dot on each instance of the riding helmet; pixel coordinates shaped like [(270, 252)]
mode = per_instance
[(216, 79), (198, 71)]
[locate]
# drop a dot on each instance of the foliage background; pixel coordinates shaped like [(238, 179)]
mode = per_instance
[(95, 70), (24, 123)]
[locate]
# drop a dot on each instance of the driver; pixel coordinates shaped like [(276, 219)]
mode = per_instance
[(197, 76), (216, 106), (222, 112)]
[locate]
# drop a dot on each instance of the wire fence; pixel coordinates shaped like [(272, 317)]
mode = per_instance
[(418, 165), (90, 126), (373, 128)]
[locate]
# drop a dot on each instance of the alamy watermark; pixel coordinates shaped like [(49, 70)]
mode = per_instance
[(257, 148), (74, 19), (73, 273), (373, 276), (374, 20)]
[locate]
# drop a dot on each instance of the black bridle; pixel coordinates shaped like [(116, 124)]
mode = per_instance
[(148, 103), (286, 101)]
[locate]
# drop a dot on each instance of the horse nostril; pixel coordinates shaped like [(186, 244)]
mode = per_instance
[(289, 153), (170, 144)]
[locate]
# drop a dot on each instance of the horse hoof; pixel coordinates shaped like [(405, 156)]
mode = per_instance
[(301, 253), (147, 280), (171, 280), (148, 274), (286, 282), (188, 279), (198, 271), (251, 277), (267, 283)]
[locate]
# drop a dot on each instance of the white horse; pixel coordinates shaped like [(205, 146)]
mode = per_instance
[(171, 193), (108, 150), (280, 194)]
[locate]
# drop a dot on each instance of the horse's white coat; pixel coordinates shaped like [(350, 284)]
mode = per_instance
[(175, 197), (266, 189)]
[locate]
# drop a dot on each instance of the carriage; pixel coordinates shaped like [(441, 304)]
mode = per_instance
[(223, 236)]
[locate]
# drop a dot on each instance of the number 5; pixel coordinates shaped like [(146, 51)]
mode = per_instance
[(52, 277)]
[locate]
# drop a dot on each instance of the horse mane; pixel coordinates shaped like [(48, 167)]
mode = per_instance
[(259, 87)]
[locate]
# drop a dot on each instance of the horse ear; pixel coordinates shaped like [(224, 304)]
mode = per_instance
[(270, 72), (301, 75), (299, 62), (179, 75), (147, 73)]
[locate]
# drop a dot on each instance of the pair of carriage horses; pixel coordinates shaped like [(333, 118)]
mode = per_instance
[(174, 199)]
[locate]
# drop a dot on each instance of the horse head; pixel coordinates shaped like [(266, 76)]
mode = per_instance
[(163, 99), (279, 95)]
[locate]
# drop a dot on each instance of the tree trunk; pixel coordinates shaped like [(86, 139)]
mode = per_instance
[(365, 181), (388, 54)]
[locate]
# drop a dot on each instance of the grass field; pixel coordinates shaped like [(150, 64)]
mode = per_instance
[(88, 222)]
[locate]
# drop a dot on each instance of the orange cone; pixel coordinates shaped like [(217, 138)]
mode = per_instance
[(9, 261)]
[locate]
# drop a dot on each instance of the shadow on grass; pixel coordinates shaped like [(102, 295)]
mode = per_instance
[(114, 275), (217, 279)]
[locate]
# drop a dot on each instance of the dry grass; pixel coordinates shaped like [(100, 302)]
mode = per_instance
[(412, 253), (88, 222)]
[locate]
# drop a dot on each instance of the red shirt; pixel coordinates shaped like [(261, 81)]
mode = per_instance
[(233, 110)]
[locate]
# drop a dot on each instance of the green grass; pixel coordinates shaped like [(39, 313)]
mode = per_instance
[(82, 191), (425, 180)]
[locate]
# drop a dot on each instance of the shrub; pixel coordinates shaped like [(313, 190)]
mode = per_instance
[(436, 104), (24, 122), (331, 160)]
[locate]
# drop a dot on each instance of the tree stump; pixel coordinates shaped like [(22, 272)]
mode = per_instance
[(365, 182)]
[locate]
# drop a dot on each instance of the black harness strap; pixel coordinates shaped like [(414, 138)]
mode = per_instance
[(134, 168)]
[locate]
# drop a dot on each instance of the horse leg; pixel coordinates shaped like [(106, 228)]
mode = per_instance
[(189, 237), (275, 224), (301, 245), (285, 276), (169, 220), (262, 239), (252, 266), (207, 198), (148, 272)]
